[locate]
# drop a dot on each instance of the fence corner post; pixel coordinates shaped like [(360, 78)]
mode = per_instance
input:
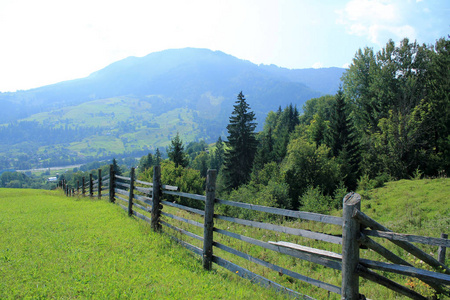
[(91, 186), (209, 219), (83, 187), (99, 190), (156, 202), (131, 194), (441, 250), (111, 184), (350, 248)]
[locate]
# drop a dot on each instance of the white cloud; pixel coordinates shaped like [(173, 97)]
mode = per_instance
[(346, 66), (377, 20), (317, 65)]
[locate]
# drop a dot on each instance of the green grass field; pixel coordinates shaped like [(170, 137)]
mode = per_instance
[(56, 247), (52, 246)]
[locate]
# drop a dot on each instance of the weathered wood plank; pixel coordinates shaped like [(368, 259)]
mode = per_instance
[(141, 216), (123, 184), (392, 236), (186, 195), (123, 178), (186, 208), (105, 177), (406, 270), (123, 207), (188, 246), (143, 190), (371, 244), (283, 271), (185, 232), (285, 212), (318, 252), (295, 253), (372, 276), (169, 187), (120, 191), (288, 230), (146, 209), (144, 182), (144, 200), (368, 222), (244, 273), (121, 198), (192, 222)]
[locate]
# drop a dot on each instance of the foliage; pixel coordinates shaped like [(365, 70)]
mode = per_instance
[(241, 145), (145, 162), (176, 152), (309, 165), (217, 156), (187, 180)]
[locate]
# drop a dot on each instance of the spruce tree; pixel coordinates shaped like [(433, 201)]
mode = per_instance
[(241, 144), (343, 142), (218, 155), (117, 169), (176, 152)]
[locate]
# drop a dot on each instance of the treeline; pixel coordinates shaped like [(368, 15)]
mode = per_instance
[(389, 120), (34, 132)]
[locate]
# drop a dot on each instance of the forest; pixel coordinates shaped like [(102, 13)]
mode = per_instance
[(389, 120)]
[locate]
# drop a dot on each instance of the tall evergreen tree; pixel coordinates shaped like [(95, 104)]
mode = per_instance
[(342, 139), (241, 144), (218, 155), (117, 169), (145, 162), (176, 152)]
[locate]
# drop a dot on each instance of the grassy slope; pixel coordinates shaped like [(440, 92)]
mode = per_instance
[(107, 113), (57, 247), (416, 207), (411, 206)]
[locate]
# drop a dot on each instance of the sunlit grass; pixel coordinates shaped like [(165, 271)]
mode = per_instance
[(52, 246)]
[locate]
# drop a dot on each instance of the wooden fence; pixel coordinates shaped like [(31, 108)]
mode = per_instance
[(145, 200)]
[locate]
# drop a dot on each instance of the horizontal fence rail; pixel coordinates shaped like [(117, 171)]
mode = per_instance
[(145, 201)]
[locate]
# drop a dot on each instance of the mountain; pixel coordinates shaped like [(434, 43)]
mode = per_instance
[(161, 93)]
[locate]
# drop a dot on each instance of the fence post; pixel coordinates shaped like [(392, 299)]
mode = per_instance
[(209, 219), (78, 187), (91, 186), (350, 248), (99, 190), (130, 196), (111, 183), (83, 185), (441, 250), (156, 205)]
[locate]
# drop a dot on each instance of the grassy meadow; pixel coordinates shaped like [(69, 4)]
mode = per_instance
[(52, 246)]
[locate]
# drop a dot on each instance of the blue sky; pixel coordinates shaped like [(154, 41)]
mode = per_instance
[(48, 41)]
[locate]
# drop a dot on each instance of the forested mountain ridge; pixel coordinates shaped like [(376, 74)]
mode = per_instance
[(137, 104), (182, 77)]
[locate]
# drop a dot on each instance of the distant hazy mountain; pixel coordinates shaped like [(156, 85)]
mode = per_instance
[(137, 104), (184, 78)]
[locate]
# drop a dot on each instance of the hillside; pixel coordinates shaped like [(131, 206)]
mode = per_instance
[(90, 246), (137, 104), (52, 246)]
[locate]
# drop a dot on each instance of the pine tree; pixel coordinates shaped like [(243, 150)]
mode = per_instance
[(218, 155), (343, 141), (241, 144), (117, 169), (176, 152)]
